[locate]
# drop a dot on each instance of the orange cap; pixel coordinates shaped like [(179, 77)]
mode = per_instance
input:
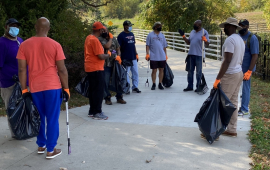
[(98, 26)]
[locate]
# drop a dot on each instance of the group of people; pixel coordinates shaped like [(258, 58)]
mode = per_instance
[(239, 52), (39, 63)]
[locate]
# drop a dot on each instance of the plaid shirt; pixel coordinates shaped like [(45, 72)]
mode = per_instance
[(109, 61)]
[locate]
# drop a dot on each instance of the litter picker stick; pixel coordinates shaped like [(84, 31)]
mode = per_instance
[(128, 75), (69, 148), (126, 71), (147, 75), (202, 48)]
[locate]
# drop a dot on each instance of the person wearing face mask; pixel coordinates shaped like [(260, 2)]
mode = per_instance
[(94, 67), (9, 46), (194, 57), (230, 75), (109, 44), (156, 44), (126, 39), (249, 63)]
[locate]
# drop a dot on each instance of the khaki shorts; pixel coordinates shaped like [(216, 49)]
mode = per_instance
[(6, 93)]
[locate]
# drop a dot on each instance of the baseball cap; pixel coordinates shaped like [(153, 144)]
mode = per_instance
[(156, 23), (98, 26), (243, 22), (127, 23), (12, 21)]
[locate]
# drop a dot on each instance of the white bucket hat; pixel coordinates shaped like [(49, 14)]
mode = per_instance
[(231, 21)]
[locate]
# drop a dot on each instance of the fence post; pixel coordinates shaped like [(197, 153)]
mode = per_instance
[(217, 46), (173, 41), (264, 58)]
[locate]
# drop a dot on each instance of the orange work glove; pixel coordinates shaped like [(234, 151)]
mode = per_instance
[(147, 57), (66, 95), (137, 56), (110, 35), (109, 53), (25, 91), (216, 83), (247, 75), (204, 39), (118, 58), (166, 57)]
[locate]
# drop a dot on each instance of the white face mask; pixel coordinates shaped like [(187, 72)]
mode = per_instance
[(13, 31)]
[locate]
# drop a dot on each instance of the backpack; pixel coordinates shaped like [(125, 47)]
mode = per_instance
[(260, 42)]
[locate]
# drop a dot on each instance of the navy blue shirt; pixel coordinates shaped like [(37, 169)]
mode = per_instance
[(127, 45), (254, 49)]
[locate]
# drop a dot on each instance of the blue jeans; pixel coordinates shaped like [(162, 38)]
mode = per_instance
[(48, 104), (245, 95), (194, 61), (108, 72), (135, 74)]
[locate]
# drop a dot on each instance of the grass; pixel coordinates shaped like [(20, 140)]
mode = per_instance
[(252, 17), (259, 135), (119, 22)]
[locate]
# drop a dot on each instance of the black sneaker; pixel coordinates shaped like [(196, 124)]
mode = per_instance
[(160, 86), (188, 89), (136, 90), (196, 90), (127, 93), (153, 86)]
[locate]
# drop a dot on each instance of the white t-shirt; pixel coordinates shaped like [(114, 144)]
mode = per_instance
[(234, 44)]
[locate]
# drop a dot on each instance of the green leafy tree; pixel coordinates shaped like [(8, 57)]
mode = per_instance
[(182, 14), (122, 9), (266, 12)]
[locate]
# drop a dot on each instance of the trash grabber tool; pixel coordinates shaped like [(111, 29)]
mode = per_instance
[(68, 138), (147, 76)]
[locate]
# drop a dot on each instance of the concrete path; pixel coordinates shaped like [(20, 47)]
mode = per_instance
[(156, 126)]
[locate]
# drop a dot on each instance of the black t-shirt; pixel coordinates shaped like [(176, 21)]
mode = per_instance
[(127, 45)]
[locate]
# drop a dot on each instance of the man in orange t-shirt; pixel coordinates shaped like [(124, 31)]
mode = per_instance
[(45, 60), (94, 67)]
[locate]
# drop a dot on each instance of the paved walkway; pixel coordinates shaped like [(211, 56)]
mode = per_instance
[(155, 125)]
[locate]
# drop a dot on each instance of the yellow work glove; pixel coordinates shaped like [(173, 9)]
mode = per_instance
[(216, 84), (247, 75), (118, 58), (147, 57)]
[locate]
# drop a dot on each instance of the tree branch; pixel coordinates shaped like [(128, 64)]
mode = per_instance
[(96, 6), (72, 3)]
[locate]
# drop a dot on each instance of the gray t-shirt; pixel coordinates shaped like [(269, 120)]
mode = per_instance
[(156, 43), (195, 39), (234, 44)]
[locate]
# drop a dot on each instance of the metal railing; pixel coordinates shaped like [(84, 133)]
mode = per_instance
[(175, 41)]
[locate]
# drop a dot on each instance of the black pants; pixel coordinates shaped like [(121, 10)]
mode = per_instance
[(96, 91)]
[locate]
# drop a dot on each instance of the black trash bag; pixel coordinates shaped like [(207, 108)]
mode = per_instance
[(214, 115), (83, 87), (226, 108), (205, 105), (127, 63), (119, 83), (187, 61), (168, 76), (202, 87), (23, 115)]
